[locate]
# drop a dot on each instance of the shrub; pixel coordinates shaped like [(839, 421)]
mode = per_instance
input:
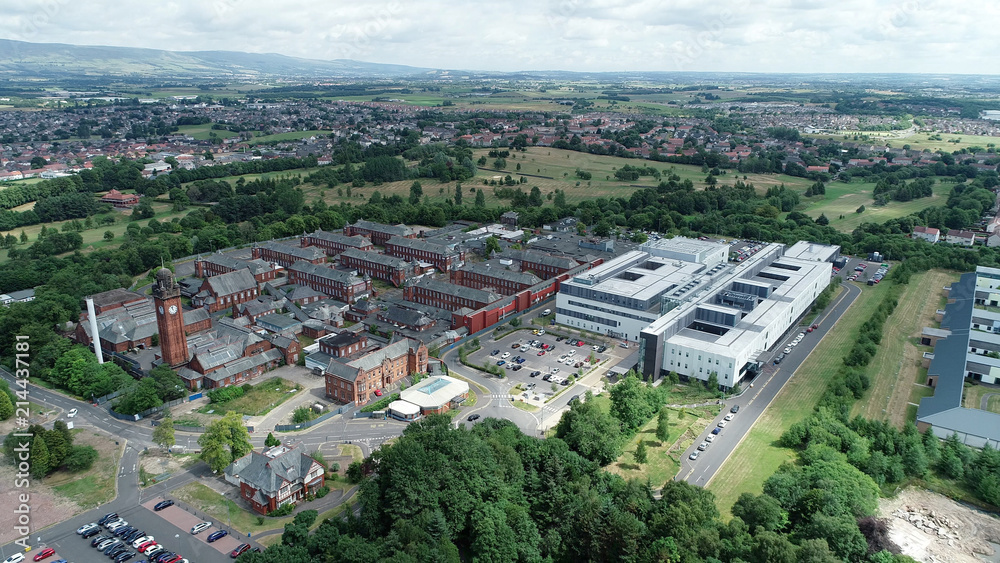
[(283, 510), (81, 458), (225, 394), (322, 491)]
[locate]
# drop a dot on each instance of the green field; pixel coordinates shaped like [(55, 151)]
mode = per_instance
[(757, 457), (290, 136), (845, 198), (202, 132), (895, 370), (920, 141), (974, 393), (263, 397)]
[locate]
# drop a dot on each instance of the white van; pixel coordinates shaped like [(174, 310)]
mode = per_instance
[(546, 312)]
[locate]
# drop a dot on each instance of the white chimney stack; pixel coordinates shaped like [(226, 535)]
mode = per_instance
[(94, 335)]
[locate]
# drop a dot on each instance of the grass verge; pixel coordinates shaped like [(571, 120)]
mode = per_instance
[(223, 509), (758, 457), (261, 398), (96, 485)]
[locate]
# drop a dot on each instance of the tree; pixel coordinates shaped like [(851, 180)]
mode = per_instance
[(224, 441), (6, 407), (633, 402), (24, 237), (81, 458), (480, 198), (164, 433), (109, 236), (271, 441), (38, 162), (416, 192), (760, 511), (663, 425), (860, 209), (39, 457), (492, 245), (640, 453), (458, 194), (822, 220)]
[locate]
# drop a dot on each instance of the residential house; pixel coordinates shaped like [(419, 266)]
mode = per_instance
[(275, 476), (930, 234), (120, 200), (964, 238)]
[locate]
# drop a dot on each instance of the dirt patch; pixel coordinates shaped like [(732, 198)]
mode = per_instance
[(156, 462), (933, 528), (47, 508)]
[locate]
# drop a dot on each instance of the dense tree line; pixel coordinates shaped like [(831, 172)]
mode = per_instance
[(493, 494), (50, 449)]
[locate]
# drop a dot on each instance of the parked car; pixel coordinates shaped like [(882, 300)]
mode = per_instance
[(142, 540), (535, 373), (505, 355), (787, 350), (495, 352), (217, 535), (98, 540), (722, 424), (122, 558), (86, 527), (47, 552), (378, 392), (104, 544), (152, 550), (107, 518), (16, 558), (163, 504), (728, 417), (240, 550), (91, 532), (144, 545), (716, 431), (702, 446), (111, 544), (735, 409), (112, 526), (710, 438), (174, 559), (516, 367), (200, 527), (121, 532), (694, 455), (116, 550), (165, 556), (501, 362)]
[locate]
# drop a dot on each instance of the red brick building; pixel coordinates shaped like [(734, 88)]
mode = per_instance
[(335, 243), (338, 284), (378, 266), (218, 264), (356, 381), (448, 296), (275, 476), (543, 265), (343, 344), (226, 290), (115, 298), (377, 232), (285, 255), (410, 249), (499, 279), (120, 200)]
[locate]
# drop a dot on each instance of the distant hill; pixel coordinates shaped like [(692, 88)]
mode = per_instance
[(19, 59)]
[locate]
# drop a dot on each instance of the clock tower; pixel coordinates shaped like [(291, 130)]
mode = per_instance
[(170, 319)]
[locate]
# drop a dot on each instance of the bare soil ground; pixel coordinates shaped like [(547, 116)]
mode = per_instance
[(47, 507), (156, 462), (932, 528)]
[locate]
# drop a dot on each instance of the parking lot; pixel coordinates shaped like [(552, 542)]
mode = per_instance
[(170, 527), (536, 361)]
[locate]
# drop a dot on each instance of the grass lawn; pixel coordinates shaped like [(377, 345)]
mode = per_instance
[(263, 397), (689, 394), (96, 485), (973, 397), (845, 198), (921, 141), (223, 509), (895, 368), (757, 457), (663, 457), (201, 132)]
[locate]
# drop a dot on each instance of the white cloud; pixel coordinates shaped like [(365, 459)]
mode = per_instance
[(584, 35)]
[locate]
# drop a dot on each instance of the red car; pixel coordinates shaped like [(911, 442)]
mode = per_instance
[(47, 552), (378, 392), (579, 343), (541, 353), (143, 546), (174, 559), (240, 550)]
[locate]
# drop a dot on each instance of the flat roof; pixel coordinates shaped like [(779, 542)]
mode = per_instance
[(812, 251), (434, 392)]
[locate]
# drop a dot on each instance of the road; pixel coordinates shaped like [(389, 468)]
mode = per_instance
[(754, 400)]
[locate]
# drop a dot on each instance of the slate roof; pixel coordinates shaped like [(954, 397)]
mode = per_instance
[(356, 241), (341, 370), (258, 307), (541, 258), (232, 282), (477, 295), (392, 351), (420, 244), (116, 296), (406, 317), (395, 230), (300, 252), (374, 257), (193, 316), (256, 267), (267, 474), (244, 364), (502, 274), (326, 272), (280, 322), (303, 292)]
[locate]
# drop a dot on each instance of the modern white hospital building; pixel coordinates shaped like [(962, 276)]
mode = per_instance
[(694, 312)]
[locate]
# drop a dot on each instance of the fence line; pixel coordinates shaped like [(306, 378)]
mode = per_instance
[(315, 421)]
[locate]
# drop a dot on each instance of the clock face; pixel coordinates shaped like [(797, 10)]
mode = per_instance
[(161, 309), (173, 309)]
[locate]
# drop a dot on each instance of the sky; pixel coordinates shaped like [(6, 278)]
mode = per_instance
[(915, 36)]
